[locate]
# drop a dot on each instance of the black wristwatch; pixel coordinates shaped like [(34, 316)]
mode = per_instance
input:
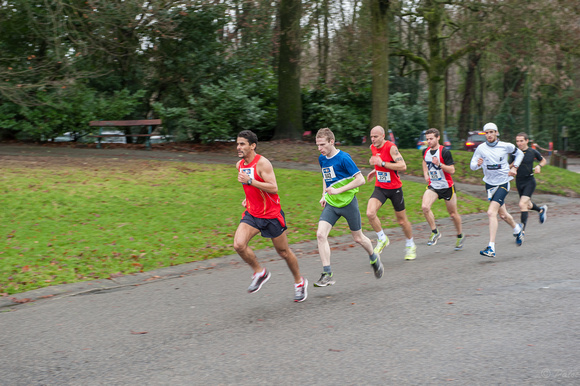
[(250, 181)]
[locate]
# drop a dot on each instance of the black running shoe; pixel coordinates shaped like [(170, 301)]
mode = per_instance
[(258, 281), (377, 266)]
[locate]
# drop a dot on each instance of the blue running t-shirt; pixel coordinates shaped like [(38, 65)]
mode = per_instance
[(338, 171)]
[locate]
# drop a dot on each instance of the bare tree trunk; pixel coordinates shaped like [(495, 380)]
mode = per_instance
[(380, 67), (289, 120), (325, 43), (464, 123)]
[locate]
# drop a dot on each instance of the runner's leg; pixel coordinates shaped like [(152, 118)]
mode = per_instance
[(243, 235)]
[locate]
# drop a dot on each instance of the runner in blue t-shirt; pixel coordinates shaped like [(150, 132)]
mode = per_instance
[(340, 181)]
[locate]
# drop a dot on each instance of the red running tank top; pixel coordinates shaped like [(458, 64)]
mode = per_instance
[(259, 203), (386, 178)]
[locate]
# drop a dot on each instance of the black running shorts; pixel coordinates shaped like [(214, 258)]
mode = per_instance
[(395, 195), (497, 193), (443, 194), (526, 187), (268, 227)]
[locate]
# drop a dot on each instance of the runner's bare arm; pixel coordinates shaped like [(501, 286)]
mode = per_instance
[(425, 171), (323, 200), (265, 170), (399, 163), (358, 181)]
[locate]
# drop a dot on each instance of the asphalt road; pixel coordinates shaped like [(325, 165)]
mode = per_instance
[(449, 317)]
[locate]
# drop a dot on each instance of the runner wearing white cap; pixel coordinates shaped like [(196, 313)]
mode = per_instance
[(493, 157)]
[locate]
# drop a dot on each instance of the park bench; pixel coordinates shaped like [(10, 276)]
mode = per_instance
[(150, 123)]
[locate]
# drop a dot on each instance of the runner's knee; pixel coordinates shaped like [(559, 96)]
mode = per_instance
[(239, 246)]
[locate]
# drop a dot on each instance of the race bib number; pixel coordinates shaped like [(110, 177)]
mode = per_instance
[(384, 176), (248, 171), (435, 175), (494, 167), (491, 192), (328, 173)]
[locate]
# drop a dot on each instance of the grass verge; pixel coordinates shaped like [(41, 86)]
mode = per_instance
[(100, 218)]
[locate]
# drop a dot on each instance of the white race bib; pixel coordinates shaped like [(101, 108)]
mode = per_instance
[(491, 192), (328, 173), (435, 175), (248, 171), (384, 176)]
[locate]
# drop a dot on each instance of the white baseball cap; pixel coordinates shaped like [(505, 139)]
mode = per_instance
[(490, 126)]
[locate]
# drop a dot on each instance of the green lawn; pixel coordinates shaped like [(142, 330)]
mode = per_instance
[(72, 223)]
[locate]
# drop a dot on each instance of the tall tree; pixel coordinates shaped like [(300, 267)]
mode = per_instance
[(380, 14), (440, 28), (289, 120), (465, 123)]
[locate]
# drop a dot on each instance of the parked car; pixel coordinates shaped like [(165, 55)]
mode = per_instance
[(422, 141), (474, 139)]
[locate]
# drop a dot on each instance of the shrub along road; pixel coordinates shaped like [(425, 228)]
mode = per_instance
[(446, 317)]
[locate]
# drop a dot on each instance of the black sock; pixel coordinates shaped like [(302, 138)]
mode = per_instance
[(524, 217), (434, 230), (535, 207), (460, 235)]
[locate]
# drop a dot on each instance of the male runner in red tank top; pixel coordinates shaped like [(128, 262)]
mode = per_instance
[(263, 215), (388, 162)]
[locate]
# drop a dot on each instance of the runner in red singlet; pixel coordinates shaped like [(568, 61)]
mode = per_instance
[(263, 215), (388, 162)]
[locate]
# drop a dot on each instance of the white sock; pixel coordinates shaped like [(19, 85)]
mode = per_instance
[(492, 245), (409, 242), (299, 284), (260, 274), (517, 229), (381, 235)]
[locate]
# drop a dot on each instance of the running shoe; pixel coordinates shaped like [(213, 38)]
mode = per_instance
[(325, 280), (381, 244), (520, 237), (459, 243), (258, 281), (543, 213), (301, 291), (377, 266), (411, 253), (434, 237), (489, 252)]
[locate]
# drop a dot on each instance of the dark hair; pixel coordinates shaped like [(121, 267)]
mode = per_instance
[(249, 135), (522, 134), (433, 131)]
